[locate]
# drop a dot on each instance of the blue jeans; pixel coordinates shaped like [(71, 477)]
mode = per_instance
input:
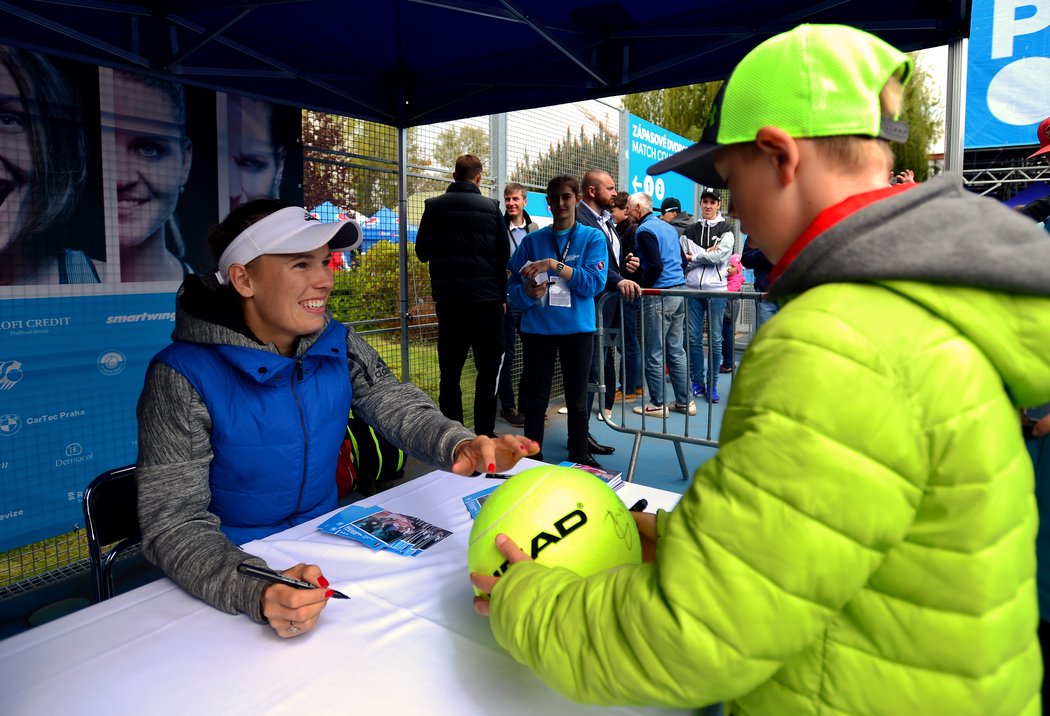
[(766, 309), (664, 326), (698, 308), (632, 356)]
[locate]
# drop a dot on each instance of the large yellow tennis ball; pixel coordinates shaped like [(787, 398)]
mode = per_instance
[(559, 516)]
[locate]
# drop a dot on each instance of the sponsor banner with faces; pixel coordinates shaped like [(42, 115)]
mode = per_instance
[(109, 184)]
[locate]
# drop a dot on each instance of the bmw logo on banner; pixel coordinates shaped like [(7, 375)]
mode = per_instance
[(1008, 72)]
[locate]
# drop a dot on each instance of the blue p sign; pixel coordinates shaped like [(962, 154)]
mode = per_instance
[(1008, 85)]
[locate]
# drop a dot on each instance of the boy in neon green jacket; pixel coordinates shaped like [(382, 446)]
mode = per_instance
[(863, 543)]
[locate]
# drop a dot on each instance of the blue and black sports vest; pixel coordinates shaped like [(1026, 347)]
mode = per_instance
[(277, 424)]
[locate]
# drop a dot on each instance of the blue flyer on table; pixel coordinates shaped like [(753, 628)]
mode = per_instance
[(379, 528), (610, 478), (475, 500)]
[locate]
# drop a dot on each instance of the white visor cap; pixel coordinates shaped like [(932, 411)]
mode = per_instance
[(291, 230)]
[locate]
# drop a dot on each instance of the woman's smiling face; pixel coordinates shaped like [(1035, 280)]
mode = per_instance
[(153, 158), (286, 296), (16, 160)]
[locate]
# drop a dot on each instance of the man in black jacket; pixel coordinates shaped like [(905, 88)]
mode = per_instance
[(463, 236)]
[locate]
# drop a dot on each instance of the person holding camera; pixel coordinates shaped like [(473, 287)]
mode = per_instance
[(905, 176)]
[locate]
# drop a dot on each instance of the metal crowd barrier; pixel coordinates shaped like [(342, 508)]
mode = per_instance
[(652, 299)]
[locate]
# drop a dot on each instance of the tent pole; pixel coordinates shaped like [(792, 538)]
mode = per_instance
[(955, 106), (402, 243), (497, 159)]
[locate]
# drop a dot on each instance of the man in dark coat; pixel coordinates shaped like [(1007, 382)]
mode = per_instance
[(599, 191), (463, 237)]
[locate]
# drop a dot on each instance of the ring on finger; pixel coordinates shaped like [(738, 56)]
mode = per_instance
[(292, 628)]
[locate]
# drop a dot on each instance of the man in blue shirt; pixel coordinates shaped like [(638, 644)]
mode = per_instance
[(664, 316)]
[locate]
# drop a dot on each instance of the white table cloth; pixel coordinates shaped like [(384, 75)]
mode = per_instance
[(407, 641)]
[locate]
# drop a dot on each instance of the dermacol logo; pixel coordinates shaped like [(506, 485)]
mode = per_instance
[(9, 424), (74, 449), (10, 374), (111, 363)]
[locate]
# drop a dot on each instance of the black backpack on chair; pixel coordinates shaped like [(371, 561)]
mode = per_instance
[(368, 462)]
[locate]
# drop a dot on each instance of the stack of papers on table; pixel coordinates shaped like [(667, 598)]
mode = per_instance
[(379, 528)]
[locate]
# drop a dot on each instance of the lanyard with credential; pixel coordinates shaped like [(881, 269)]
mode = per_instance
[(568, 243)]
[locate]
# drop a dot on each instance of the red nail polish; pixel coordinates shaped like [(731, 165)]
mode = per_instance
[(492, 467), (329, 593), (322, 581)]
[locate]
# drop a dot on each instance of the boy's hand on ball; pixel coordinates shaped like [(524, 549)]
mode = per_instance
[(486, 583)]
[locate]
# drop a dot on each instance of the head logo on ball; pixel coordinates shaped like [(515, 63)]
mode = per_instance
[(559, 516)]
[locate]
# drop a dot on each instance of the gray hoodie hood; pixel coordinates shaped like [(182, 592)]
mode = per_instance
[(935, 233)]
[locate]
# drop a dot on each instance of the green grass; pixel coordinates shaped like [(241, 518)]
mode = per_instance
[(34, 559), (423, 368)]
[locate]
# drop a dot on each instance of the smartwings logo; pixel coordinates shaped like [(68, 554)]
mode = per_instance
[(140, 317)]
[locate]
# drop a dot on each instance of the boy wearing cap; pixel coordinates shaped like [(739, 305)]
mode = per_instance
[(671, 212), (863, 542), (241, 417)]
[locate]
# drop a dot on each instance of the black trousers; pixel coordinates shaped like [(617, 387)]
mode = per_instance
[(538, 355), (464, 326), (511, 324)]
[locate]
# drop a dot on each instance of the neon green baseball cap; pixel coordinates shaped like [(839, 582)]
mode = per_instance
[(812, 81)]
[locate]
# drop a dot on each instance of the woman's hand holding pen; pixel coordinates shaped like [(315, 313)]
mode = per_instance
[(535, 290), (292, 611)]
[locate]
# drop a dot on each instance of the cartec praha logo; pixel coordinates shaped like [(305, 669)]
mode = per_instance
[(111, 363), (9, 424)]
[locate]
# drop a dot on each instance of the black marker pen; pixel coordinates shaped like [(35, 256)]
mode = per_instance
[(268, 575)]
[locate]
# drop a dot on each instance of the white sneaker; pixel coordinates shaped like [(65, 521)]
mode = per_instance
[(606, 416), (690, 408), (659, 411), (563, 410)]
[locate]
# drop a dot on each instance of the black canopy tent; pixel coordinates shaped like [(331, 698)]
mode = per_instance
[(411, 62)]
